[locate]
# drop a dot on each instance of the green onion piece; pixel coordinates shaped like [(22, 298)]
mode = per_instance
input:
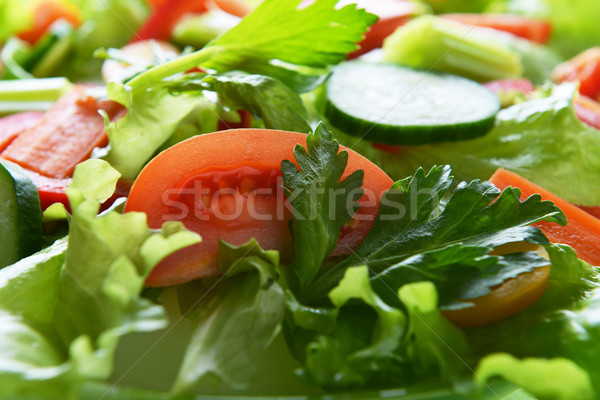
[(431, 42)]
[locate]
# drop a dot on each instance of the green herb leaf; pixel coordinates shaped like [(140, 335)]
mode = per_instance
[(277, 105), (279, 40), (321, 201), (420, 235)]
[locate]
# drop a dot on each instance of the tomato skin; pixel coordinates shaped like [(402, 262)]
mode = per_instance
[(158, 186), (527, 28), (584, 68)]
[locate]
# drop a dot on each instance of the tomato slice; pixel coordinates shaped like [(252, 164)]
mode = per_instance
[(584, 68), (226, 185), (531, 29)]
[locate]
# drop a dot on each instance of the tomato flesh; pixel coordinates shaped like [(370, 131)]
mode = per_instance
[(227, 185)]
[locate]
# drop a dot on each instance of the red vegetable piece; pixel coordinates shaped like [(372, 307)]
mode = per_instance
[(528, 28), (12, 125), (584, 68), (582, 232), (65, 136)]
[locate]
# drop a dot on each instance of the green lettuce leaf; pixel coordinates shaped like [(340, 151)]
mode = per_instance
[(540, 139), (424, 231), (557, 378), (106, 23), (152, 118), (321, 203), (353, 345), (75, 299), (236, 321)]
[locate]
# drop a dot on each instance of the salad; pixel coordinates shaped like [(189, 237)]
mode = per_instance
[(299, 199)]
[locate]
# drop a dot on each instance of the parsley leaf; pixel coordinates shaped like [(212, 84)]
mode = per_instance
[(322, 203), (419, 235), (279, 40), (276, 104)]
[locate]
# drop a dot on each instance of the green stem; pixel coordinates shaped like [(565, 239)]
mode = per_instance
[(176, 66)]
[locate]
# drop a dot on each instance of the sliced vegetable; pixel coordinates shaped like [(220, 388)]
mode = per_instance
[(583, 68), (47, 12), (588, 111), (528, 28), (65, 137), (391, 13), (582, 231), (224, 185), (239, 8), (505, 85), (508, 298), (434, 43), (20, 215), (393, 105), (12, 125)]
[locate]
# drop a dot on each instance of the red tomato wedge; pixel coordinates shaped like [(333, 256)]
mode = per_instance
[(12, 125), (226, 185), (582, 231), (584, 68), (531, 29), (47, 12), (392, 14)]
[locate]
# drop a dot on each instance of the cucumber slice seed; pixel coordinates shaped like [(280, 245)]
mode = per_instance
[(397, 105)]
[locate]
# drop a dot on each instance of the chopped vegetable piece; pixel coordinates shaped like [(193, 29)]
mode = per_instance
[(224, 185), (504, 85), (20, 215), (434, 43), (391, 104), (584, 68), (239, 8), (588, 111), (12, 125), (63, 138), (45, 13), (508, 298), (528, 28), (582, 231)]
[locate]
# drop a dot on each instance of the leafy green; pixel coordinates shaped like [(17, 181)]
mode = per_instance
[(106, 23), (352, 345), (424, 231), (237, 321), (152, 117), (71, 302), (557, 378), (277, 105), (540, 139), (279, 40), (321, 201)]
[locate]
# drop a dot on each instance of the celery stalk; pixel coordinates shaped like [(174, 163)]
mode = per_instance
[(430, 42), (33, 90)]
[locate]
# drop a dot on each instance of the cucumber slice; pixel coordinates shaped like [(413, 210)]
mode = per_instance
[(390, 104), (20, 215)]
